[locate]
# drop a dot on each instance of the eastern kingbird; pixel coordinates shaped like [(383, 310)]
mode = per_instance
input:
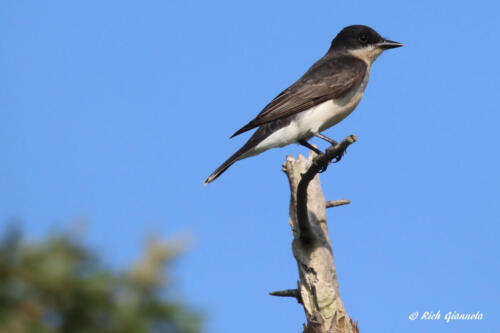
[(327, 93)]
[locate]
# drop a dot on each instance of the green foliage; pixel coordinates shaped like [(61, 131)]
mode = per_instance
[(58, 285)]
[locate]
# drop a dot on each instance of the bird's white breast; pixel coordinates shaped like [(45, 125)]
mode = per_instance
[(314, 120), (329, 113)]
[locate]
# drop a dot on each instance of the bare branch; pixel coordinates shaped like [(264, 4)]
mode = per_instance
[(287, 293), (311, 246), (336, 203)]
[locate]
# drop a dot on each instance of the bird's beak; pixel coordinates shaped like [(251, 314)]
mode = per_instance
[(388, 44)]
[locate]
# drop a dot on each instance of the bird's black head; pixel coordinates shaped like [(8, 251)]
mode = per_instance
[(361, 37)]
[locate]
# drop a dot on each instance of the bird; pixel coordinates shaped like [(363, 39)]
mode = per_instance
[(325, 95)]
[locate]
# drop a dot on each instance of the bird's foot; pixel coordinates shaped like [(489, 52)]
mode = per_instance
[(336, 159), (339, 156)]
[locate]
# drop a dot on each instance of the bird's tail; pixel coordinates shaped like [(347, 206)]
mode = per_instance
[(240, 154)]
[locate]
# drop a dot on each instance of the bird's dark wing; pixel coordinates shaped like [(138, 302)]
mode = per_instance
[(329, 78)]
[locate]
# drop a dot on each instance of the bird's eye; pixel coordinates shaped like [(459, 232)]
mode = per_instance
[(363, 38)]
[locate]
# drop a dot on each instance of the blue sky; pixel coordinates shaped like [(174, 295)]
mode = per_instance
[(115, 112)]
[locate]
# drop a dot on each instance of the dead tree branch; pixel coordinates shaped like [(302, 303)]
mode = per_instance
[(318, 286), (287, 293), (319, 163), (336, 203)]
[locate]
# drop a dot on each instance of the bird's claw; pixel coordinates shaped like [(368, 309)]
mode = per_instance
[(323, 169), (339, 156), (336, 159)]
